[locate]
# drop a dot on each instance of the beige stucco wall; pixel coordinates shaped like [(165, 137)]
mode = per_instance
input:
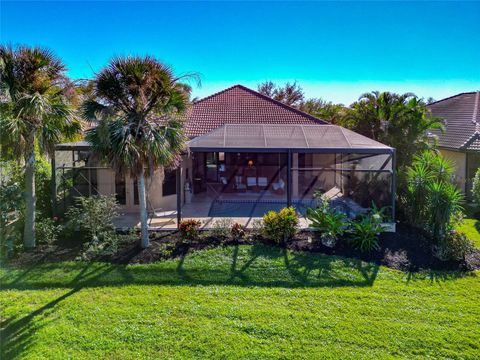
[(106, 186), (459, 160)]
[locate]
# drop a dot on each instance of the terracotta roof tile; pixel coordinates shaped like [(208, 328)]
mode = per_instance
[(241, 105), (462, 121)]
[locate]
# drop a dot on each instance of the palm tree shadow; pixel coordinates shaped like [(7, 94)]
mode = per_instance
[(323, 271), (16, 334)]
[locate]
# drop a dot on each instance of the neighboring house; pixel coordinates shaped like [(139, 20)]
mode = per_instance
[(247, 154), (461, 140)]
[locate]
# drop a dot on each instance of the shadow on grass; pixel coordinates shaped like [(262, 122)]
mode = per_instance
[(16, 333), (251, 266)]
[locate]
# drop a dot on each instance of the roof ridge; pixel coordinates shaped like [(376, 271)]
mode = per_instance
[(267, 98), (276, 102), (215, 94), (451, 97)]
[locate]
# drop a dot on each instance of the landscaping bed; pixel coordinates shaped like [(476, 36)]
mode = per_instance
[(406, 250)]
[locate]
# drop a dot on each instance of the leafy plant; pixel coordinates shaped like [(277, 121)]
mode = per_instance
[(221, 228), (93, 217), (280, 226), (427, 196), (189, 229), (476, 186), (443, 206), (365, 230), (10, 215), (237, 231), (47, 231), (328, 221), (455, 246)]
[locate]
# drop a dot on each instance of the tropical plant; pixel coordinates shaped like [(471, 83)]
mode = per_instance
[(189, 229), (330, 222), (35, 110), (280, 226), (365, 230), (237, 231), (427, 196), (444, 203), (401, 121), (476, 186), (136, 103)]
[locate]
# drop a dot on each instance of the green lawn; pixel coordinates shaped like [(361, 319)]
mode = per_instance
[(470, 227), (251, 302)]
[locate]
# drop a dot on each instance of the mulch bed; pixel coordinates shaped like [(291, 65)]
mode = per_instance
[(406, 250)]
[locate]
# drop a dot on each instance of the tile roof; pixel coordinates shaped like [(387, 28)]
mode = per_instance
[(462, 121), (241, 105)]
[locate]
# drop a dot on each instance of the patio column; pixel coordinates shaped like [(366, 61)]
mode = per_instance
[(178, 174)]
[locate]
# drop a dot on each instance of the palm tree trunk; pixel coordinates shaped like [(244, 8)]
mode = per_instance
[(144, 241), (30, 197)]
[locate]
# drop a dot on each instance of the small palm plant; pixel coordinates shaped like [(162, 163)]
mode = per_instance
[(35, 109), (136, 103)]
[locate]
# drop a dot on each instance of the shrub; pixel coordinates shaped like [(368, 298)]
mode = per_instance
[(47, 231), (189, 229), (476, 186), (443, 208), (455, 246), (280, 226), (93, 217), (10, 217), (237, 231), (427, 196), (221, 228), (328, 221), (365, 230)]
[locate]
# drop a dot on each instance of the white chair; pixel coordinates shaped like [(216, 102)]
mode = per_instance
[(262, 182), (251, 181)]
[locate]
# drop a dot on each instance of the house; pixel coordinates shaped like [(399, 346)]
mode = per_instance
[(461, 140), (247, 154)]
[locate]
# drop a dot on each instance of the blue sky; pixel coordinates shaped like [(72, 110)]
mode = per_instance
[(334, 50)]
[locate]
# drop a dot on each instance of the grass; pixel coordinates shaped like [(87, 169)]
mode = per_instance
[(247, 302), (471, 228)]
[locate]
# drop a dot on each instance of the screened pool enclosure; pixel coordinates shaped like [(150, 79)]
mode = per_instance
[(246, 170), (242, 171)]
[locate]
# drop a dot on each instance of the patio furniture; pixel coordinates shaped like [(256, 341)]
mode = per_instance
[(262, 182), (279, 187), (251, 181), (239, 185)]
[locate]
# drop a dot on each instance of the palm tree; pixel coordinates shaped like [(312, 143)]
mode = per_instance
[(35, 111), (401, 121), (136, 102)]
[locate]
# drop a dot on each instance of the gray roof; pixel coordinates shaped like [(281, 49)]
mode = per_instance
[(268, 137), (462, 121), (76, 145)]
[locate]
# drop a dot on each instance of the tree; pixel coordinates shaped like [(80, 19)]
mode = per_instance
[(325, 110), (136, 102), (290, 94), (400, 121), (35, 111)]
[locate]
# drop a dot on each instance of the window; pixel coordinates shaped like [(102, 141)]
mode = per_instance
[(169, 186)]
